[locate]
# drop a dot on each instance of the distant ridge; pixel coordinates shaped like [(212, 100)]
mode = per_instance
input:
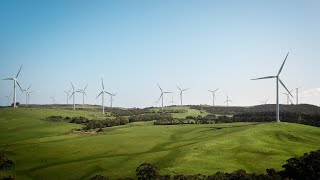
[(231, 110)]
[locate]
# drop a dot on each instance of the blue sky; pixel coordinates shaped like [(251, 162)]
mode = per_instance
[(134, 45)]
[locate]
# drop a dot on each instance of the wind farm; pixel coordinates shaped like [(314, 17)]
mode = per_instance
[(164, 90)]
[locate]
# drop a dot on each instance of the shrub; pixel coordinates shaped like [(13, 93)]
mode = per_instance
[(55, 118), (147, 171), (5, 163), (79, 120), (99, 177)]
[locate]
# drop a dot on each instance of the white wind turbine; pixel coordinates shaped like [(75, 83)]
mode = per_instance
[(27, 94), (15, 81), (83, 92), (74, 96), (8, 97), (277, 77), (111, 97), (53, 99), (172, 102), (265, 101), (67, 92), (156, 102), (161, 96), (288, 97), (228, 100), (181, 91), (213, 95), (102, 93)]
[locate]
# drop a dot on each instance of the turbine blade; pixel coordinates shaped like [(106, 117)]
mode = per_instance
[(19, 71), (72, 85), (179, 88), (71, 95), (159, 87), (19, 85), (85, 87), (285, 87), (186, 89), (283, 64), (8, 79), (160, 97), (99, 94), (210, 91), (216, 90), (102, 83), (167, 92), (267, 77), (29, 87)]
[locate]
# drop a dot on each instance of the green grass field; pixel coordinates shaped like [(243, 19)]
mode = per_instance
[(46, 150)]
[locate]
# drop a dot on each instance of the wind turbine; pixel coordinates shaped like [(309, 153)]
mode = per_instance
[(111, 97), (277, 77), (156, 102), (8, 97), (53, 98), (161, 96), (213, 95), (27, 94), (172, 102), (67, 92), (265, 102), (73, 95), (288, 97), (83, 92), (15, 81), (181, 91), (102, 93), (227, 101)]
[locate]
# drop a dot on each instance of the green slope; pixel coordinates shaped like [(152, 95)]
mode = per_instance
[(44, 150)]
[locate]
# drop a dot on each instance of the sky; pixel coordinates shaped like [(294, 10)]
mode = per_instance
[(133, 45)]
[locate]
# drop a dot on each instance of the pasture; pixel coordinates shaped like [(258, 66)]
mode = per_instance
[(43, 149)]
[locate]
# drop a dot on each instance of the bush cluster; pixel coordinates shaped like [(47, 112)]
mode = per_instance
[(126, 112), (94, 124), (79, 120), (144, 117), (55, 118)]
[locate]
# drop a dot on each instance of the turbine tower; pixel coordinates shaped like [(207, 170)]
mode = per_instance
[(27, 94), (161, 96), (67, 92), (181, 91), (227, 101), (297, 95), (15, 81), (102, 93), (277, 77), (83, 92), (213, 95)]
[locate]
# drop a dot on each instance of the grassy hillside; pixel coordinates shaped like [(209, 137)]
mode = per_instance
[(46, 150)]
